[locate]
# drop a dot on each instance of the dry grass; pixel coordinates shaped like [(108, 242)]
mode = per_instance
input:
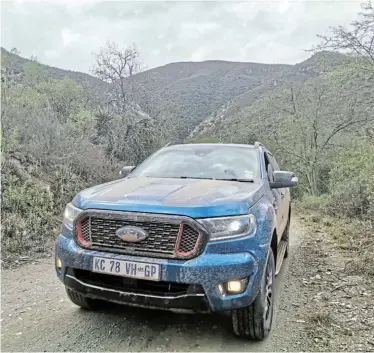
[(353, 235)]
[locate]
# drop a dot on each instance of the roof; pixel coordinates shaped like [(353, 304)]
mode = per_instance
[(212, 145)]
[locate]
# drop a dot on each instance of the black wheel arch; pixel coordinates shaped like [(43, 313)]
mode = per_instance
[(274, 244)]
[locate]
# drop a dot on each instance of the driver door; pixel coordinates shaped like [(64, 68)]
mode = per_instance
[(280, 196)]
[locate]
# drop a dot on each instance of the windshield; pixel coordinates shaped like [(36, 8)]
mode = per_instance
[(205, 162)]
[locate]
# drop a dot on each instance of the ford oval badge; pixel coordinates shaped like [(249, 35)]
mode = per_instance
[(131, 234)]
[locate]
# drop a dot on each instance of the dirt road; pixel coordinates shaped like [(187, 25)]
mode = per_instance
[(37, 316)]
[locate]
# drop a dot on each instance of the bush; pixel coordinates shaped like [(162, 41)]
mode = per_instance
[(350, 199), (314, 203), (352, 182), (48, 155), (27, 214)]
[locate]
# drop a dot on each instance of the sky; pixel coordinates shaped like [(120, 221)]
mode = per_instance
[(66, 33)]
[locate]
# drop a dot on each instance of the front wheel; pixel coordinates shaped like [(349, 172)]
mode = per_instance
[(254, 322)]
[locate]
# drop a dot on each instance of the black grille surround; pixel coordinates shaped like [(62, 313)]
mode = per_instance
[(169, 236)]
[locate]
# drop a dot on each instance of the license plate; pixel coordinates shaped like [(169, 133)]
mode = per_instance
[(131, 269)]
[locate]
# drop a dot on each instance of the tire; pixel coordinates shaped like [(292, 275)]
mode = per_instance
[(82, 301), (254, 322)]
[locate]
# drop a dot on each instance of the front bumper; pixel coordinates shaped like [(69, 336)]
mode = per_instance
[(218, 264), (186, 302)]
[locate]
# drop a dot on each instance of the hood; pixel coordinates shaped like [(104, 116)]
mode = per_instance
[(195, 198)]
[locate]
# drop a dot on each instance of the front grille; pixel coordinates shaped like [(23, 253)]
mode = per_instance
[(165, 238), (133, 285), (161, 237)]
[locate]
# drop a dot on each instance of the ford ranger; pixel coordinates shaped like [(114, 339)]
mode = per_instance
[(194, 228)]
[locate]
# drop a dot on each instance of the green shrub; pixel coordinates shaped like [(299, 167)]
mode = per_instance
[(27, 216), (313, 203), (48, 155), (352, 182), (350, 199)]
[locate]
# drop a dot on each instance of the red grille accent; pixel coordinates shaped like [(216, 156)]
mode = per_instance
[(83, 232), (188, 240)]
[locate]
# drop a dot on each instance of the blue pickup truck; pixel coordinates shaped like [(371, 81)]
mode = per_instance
[(194, 228)]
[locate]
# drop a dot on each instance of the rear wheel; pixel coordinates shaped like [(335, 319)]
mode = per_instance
[(254, 322), (82, 301)]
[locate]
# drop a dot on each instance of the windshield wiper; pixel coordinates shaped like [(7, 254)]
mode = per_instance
[(178, 177), (239, 180), (188, 177), (224, 179)]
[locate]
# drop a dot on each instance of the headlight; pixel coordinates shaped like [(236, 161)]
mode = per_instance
[(229, 227), (71, 212)]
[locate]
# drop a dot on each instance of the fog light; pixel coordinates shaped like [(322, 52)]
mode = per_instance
[(58, 263), (236, 286)]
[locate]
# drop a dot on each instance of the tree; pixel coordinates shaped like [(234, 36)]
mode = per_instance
[(65, 97), (103, 122), (34, 74), (117, 66), (126, 130), (357, 41), (311, 122), (15, 51)]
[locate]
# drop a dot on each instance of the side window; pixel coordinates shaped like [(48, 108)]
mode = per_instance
[(271, 166), (274, 162), (275, 167), (268, 166)]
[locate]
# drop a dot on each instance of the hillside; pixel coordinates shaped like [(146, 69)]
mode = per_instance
[(232, 101), (88, 82), (190, 92), (241, 105), (185, 94)]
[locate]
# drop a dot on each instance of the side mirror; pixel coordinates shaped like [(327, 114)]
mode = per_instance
[(125, 171), (283, 180)]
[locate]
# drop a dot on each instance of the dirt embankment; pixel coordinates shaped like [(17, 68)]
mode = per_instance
[(319, 307), (339, 306)]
